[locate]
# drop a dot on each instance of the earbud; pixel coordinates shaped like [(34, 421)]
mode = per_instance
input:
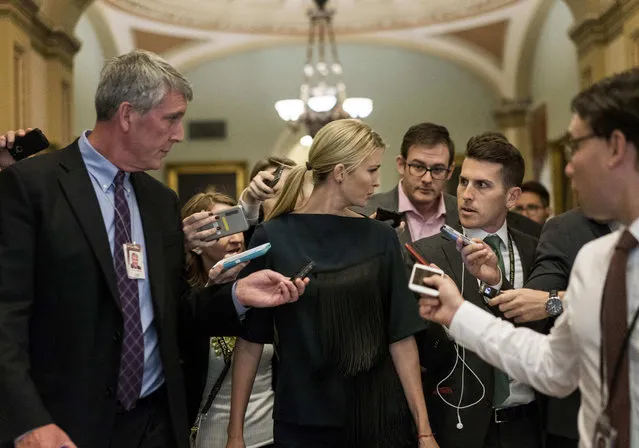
[(460, 425)]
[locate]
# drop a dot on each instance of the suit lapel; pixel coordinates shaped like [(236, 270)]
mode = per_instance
[(152, 238), (454, 259), (526, 251), (78, 189)]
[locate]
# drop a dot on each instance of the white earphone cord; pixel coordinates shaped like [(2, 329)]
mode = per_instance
[(462, 358)]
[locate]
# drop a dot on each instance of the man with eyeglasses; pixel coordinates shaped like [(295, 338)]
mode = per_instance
[(594, 345), (425, 163), (534, 202)]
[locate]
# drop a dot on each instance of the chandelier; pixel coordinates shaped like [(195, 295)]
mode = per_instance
[(323, 93)]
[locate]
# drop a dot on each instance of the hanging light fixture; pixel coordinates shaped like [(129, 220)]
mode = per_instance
[(323, 93)]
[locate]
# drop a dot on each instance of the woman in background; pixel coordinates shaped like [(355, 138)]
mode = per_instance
[(216, 399), (348, 369)]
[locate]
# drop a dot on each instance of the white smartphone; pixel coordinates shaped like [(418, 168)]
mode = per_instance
[(454, 235), (247, 255), (420, 272)]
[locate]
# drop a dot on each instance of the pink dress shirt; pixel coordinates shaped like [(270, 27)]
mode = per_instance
[(418, 226)]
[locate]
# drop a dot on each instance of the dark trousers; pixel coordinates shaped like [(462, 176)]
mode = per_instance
[(553, 441), (297, 436), (148, 425), (521, 433)]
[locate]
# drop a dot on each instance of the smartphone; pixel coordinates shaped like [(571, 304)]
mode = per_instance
[(31, 143), (383, 214), (306, 269), (417, 276), (277, 174), (454, 235), (230, 221), (247, 255)]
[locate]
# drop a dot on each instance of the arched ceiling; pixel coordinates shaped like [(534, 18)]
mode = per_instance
[(488, 37), (289, 16)]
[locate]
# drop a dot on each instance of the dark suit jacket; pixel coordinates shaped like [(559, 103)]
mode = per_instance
[(390, 201), (60, 323), (437, 352), (561, 239)]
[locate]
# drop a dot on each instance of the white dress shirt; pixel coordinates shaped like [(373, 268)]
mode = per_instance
[(520, 393), (568, 357)]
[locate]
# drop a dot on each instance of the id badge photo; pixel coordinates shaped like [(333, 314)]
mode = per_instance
[(134, 260), (605, 435)]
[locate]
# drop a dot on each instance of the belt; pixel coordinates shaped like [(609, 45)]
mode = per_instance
[(154, 398), (514, 413)]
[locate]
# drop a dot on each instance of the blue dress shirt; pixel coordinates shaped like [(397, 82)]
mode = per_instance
[(102, 172)]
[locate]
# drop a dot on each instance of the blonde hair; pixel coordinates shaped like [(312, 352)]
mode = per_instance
[(348, 142), (197, 273)]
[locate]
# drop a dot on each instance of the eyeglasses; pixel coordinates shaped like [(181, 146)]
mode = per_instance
[(528, 208), (437, 172), (572, 145)]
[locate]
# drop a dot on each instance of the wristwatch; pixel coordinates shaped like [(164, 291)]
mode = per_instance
[(554, 305)]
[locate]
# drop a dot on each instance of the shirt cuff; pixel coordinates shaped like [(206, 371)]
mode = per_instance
[(239, 308), (501, 281), (251, 211), (469, 322)]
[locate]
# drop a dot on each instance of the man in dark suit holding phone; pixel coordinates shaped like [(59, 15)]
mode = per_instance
[(472, 404), (89, 349)]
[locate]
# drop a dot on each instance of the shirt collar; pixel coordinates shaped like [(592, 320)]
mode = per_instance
[(634, 228), (502, 233), (98, 166), (405, 205)]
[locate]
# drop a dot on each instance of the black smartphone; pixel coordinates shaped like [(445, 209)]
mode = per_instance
[(488, 292), (308, 267), (383, 214), (32, 142), (277, 174)]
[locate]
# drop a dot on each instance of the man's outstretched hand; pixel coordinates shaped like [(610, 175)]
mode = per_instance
[(440, 309), (266, 288)]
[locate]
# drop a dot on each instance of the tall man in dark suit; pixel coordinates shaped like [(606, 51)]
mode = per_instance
[(473, 405), (561, 239), (89, 351)]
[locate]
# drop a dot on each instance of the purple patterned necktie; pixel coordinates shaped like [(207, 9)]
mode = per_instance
[(132, 356)]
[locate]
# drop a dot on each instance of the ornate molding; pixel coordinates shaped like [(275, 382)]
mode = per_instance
[(512, 113), (46, 39), (598, 30), (287, 17)]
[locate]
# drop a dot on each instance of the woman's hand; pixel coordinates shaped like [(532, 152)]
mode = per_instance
[(218, 276)]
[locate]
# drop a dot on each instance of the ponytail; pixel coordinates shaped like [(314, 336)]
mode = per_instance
[(291, 191)]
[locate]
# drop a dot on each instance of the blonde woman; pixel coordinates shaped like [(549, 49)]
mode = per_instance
[(348, 370), (216, 399)]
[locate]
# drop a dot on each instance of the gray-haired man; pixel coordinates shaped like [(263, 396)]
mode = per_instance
[(89, 348)]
